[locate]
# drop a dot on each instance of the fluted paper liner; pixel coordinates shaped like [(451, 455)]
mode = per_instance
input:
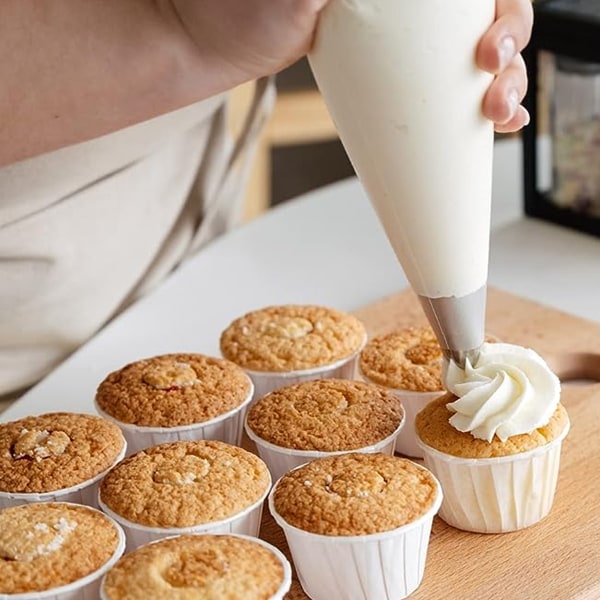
[(412, 402), (496, 495), (382, 566)]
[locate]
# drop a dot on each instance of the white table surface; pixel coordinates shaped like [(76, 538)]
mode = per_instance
[(326, 247)]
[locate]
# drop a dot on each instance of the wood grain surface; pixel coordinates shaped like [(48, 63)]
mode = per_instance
[(559, 558)]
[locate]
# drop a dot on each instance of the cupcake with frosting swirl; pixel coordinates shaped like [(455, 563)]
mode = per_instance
[(494, 440)]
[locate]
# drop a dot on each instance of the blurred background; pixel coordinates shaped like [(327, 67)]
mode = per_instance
[(299, 149)]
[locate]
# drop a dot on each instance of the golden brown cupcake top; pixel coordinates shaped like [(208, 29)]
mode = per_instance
[(355, 494), (172, 390), (291, 338), (327, 415), (433, 427), (182, 484), (407, 359), (211, 567), (53, 451), (46, 545)]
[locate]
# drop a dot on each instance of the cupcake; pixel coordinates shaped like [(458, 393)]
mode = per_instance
[(357, 524), (494, 442), (282, 345), (56, 551), (186, 487), (176, 397), (56, 456), (409, 362), (206, 566), (298, 423)]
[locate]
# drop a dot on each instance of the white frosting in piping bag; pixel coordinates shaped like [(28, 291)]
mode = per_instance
[(510, 390), (400, 80)]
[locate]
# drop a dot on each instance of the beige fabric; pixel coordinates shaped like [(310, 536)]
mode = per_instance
[(87, 229)]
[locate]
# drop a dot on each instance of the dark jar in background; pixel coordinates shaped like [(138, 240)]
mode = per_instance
[(574, 88), (561, 146)]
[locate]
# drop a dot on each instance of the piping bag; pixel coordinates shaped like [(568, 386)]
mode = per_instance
[(400, 81)]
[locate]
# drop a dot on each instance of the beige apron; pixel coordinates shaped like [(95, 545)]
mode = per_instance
[(87, 229)]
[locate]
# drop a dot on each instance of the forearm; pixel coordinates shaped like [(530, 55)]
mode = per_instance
[(72, 70)]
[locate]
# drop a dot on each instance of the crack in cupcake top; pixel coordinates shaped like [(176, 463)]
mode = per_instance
[(291, 338), (347, 485), (189, 469), (38, 540), (355, 494), (53, 451), (287, 327), (46, 545), (170, 375), (39, 444)]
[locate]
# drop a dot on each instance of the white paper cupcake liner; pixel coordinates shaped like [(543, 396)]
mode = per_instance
[(268, 381), (287, 569), (382, 566), (280, 460), (245, 522), (85, 492), (497, 495), (412, 402), (227, 428), (86, 588)]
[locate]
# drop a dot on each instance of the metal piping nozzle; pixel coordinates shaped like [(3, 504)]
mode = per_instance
[(458, 323)]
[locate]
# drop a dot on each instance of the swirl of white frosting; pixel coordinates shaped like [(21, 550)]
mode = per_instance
[(510, 390)]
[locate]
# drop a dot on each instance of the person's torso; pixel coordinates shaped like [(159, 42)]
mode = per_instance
[(88, 228)]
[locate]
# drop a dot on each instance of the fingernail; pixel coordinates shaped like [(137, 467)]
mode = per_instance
[(506, 51), (513, 103), (527, 117)]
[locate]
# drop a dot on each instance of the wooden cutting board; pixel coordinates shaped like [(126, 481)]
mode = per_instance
[(559, 558)]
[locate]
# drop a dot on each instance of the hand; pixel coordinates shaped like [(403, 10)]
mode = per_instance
[(499, 53), (248, 38)]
